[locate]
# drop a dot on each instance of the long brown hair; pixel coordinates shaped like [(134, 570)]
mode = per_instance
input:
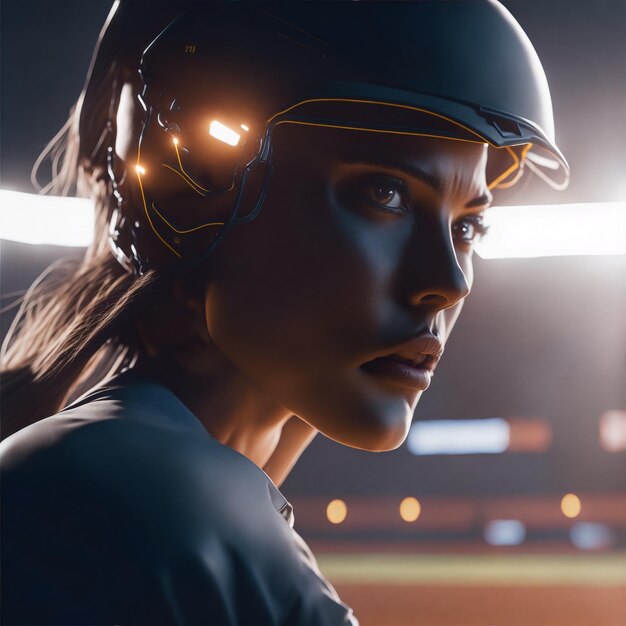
[(73, 320), (77, 317)]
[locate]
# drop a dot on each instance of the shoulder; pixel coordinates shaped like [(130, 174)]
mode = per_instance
[(202, 520), (139, 449), (133, 436)]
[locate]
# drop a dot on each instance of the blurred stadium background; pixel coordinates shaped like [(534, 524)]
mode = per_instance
[(507, 504)]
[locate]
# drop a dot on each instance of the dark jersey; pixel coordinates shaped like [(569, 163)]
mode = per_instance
[(123, 509)]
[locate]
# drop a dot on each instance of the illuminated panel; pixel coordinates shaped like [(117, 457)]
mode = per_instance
[(53, 220), (613, 431), (410, 509), (571, 505), (529, 435), (504, 532), (223, 133), (336, 511), (485, 436), (592, 536), (555, 230)]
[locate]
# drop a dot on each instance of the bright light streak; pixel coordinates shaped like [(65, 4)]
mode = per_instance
[(52, 220), (504, 532), (245, 127), (613, 430), (570, 505), (175, 140), (223, 133), (410, 509), (555, 230), (515, 231), (485, 436), (591, 536), (139, 169), (336, 511)]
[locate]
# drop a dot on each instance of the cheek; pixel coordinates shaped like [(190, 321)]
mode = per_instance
[(296, 331), (313, 278), (273, 283)]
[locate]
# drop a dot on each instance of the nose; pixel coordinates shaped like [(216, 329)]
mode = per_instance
[(436, 279)]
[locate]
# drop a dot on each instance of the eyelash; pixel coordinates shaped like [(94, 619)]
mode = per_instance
[(480, 228), (394, 184), (397, 185)]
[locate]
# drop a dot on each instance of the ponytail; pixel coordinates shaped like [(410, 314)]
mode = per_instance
[(77, 317)]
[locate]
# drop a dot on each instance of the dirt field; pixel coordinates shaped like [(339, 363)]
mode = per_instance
[(481, 591), (451, 605)]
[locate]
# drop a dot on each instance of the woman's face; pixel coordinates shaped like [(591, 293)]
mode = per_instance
[(363, 248)]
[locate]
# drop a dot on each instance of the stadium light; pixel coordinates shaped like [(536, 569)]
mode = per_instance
[(516, 231), (590, 228), (54, 220), (504, 532), (592, 536), (336, 511), (482, 436)]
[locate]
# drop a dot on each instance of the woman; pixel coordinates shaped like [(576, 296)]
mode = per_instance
[(291, 194)]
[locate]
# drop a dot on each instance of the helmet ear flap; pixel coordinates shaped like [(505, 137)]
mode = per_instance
[(124, 223), (123, 226), (254, 190)]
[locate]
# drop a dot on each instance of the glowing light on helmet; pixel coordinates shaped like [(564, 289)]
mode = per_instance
[(223, 133), (298, 63)]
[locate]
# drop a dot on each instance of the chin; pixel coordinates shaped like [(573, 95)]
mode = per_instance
[(384, 440), (377, 427)]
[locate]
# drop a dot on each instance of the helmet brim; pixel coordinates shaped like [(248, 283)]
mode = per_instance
[(378, 108)]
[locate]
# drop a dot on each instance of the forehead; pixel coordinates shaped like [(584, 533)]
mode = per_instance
[(450, 162)]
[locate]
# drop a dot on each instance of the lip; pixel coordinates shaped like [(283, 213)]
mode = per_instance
[(411, 365)]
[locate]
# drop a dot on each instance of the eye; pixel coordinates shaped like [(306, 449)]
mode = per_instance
[(470, 229), (386, 194)]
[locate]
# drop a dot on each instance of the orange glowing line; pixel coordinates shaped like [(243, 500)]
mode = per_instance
[(516, 166), (493, 184), (391, 104), (169, 167), (145, 207), (184, 173), (376, 130), (188, 230)]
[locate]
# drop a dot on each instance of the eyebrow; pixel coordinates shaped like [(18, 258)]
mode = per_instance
[(431, 180)]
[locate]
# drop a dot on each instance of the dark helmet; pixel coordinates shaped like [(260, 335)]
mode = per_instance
[(221, 76)]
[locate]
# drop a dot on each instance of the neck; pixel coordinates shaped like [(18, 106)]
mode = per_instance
[(232, 408)]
